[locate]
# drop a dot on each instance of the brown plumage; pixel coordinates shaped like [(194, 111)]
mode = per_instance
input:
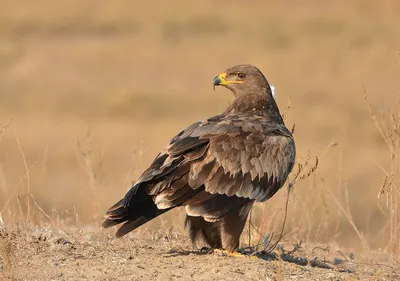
[(216, 168)]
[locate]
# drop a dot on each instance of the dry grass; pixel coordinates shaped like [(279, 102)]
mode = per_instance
[(135, 74), (388, 125)]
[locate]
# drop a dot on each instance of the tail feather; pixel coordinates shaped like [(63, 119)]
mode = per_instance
[(138, 207), (116, 209), (129, 226), (135, 209), (112, 222)]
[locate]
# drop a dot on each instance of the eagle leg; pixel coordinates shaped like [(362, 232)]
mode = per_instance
[(232, 227), (199, 229)]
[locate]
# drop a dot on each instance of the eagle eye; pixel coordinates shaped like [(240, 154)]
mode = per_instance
[(241, 75)]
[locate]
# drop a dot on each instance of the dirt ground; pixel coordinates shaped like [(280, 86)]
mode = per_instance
[(52, 254)]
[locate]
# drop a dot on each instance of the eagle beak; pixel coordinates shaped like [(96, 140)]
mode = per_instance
[(219, 80)]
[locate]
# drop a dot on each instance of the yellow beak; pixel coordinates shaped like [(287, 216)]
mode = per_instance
[(220, 80)]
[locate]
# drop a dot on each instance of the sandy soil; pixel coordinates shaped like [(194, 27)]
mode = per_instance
[(121, 78), (51, 254)]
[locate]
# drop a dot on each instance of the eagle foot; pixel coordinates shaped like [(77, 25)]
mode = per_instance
[(236, 254), (206, 250)]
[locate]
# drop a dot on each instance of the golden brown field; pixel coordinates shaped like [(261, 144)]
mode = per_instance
[(90, 91)]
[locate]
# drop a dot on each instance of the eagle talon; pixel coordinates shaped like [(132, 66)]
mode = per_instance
[(206, 250), (220, 252), (236, 254), (241, 255)]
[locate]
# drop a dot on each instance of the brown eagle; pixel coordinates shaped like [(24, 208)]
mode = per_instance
[(216, 168)]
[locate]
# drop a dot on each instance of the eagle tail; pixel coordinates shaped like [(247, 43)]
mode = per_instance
[(134, 210)]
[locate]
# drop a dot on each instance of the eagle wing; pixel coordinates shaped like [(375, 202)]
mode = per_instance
[(231, 155)]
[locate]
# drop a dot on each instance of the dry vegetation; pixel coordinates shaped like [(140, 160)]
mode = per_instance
[(90, 91)]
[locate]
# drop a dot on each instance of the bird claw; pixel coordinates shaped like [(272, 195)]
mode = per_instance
[(206, 250), (236, 254)]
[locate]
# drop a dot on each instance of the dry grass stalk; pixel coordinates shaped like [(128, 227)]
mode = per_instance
[(288, 107), (3, 188), (91, 164), (28, 185), (303, 171), (5, 127), (25, 195), (349, 217), (388, 125)]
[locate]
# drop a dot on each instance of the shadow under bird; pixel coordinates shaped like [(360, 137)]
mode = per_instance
[(216, 168)]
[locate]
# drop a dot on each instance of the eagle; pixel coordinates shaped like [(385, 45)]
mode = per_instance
[(216, 168)]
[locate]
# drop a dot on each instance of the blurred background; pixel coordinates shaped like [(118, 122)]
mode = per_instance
[(95, 89)]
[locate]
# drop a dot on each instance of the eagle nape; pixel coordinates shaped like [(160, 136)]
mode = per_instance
[(217, 168)]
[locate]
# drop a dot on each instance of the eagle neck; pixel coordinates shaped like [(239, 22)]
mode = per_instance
[(260, 102)]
